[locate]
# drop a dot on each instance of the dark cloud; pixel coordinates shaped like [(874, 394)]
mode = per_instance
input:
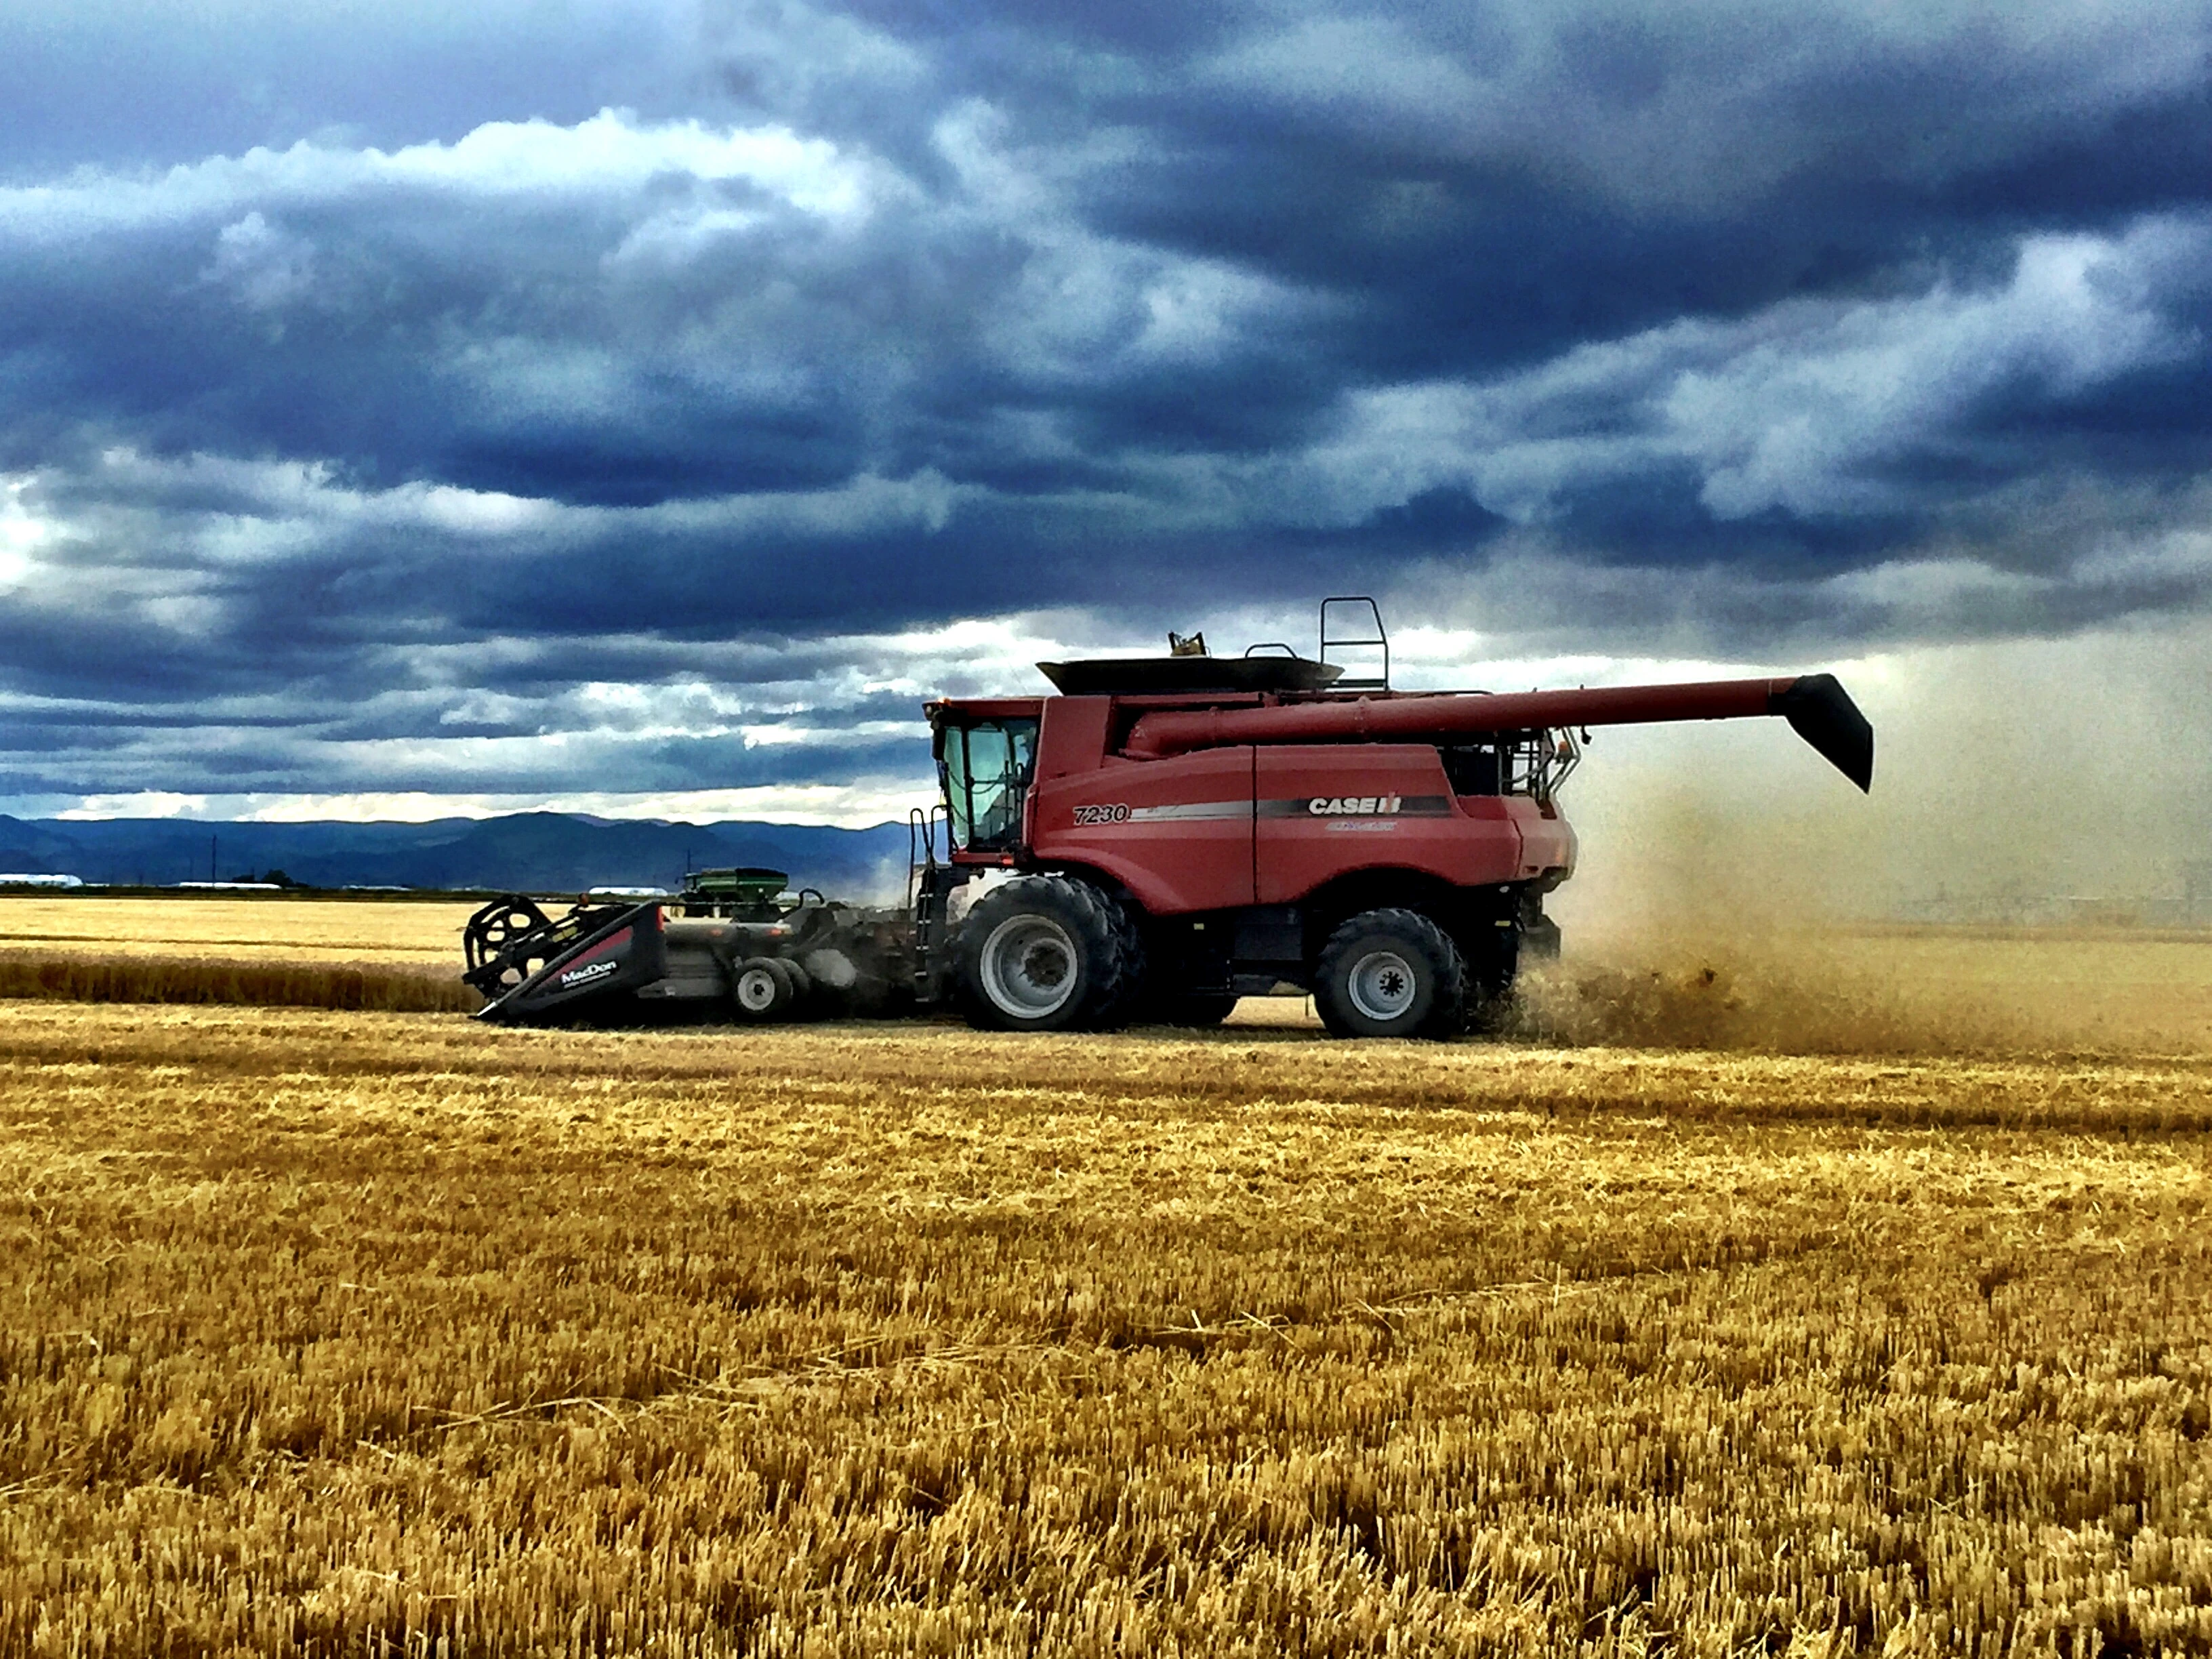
[(645, 397)]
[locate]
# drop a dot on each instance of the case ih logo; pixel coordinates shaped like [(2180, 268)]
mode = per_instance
[(1354, 806)]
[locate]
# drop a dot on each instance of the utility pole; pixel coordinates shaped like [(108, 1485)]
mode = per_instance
[(214, 842)]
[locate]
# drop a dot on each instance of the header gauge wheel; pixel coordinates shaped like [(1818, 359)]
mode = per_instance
[(761, 988)]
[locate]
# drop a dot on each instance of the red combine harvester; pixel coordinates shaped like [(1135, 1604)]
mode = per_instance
[(1169, 834)]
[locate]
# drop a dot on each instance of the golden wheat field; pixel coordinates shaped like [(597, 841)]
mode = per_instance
[(346, 1332), (416, 933)]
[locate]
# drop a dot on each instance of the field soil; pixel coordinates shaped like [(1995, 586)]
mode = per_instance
[(386, 1332)]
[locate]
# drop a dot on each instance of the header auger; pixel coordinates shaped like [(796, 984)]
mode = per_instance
[(1166, 834)]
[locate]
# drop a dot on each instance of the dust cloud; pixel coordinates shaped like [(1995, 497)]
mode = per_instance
[(2032, 871)]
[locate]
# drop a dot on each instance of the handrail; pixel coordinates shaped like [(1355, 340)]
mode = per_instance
[(1381, 638)]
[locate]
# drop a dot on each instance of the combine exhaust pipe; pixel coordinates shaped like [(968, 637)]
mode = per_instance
[(1818, 709)]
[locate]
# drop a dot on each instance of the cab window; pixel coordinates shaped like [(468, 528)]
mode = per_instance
[(986, 768)]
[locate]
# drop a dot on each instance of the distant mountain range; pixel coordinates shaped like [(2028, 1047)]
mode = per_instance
[(526, 851)]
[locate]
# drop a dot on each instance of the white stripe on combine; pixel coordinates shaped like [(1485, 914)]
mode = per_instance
[(1197, 809)]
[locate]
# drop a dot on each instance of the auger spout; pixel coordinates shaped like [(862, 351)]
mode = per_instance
[(1818, 709)]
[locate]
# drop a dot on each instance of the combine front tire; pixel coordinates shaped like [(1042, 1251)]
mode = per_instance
[(1391, 973), (1043, 953), (1121, 1004)]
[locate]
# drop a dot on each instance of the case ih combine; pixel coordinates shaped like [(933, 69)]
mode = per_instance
[(1164, 835)]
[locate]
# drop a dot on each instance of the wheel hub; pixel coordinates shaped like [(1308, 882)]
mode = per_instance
[(1382, 985), (1029, 966), (756, 990)]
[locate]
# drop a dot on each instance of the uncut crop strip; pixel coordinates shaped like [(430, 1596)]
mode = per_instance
[(873, 1340), (421, 937), (393, 958), (251, 984)]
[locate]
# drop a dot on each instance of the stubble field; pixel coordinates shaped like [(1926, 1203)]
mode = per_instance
[(382, 1333)]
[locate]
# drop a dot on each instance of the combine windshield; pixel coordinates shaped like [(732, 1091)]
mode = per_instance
[(986, 768)]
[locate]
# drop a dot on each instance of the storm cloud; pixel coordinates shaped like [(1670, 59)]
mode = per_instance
[(645, 401)]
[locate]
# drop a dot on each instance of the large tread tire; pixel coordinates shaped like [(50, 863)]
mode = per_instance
[(1123, 1001), (1391, 973), (1044, 953)]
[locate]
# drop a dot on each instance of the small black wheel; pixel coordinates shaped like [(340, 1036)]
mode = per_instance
[(802, 1005), (761, 987), (1043, 953), (1391, 973)]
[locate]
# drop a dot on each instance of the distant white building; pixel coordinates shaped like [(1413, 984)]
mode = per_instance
[(41, 881)]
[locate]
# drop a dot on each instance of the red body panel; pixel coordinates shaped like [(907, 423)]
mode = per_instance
[(1326, 810), (1176, 833), (1072, 737), (992, 708), (1547, 843), (1229, 827)]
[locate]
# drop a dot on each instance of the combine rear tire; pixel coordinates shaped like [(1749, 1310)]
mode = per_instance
[(1044, 953), (1391, 973)]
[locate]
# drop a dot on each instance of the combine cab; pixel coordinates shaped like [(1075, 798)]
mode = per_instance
[(1163, 836)]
